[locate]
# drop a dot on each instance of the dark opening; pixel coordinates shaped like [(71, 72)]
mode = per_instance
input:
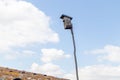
[(17, 79)]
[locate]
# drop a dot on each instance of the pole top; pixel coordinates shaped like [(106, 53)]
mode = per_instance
[(63, 15)]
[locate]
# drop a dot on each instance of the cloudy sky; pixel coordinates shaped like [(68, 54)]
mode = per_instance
[(32, 37)]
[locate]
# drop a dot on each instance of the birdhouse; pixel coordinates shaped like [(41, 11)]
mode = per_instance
[(67, 21)]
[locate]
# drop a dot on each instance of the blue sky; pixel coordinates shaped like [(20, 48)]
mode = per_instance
[(33, 37)]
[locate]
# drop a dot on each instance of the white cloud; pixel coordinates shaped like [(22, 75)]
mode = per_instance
[(13, 55), (10, 56), (28, 53), (70, 76), (97, 72), (49, 55), (48, 69), (109, 52), (21, 23)]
